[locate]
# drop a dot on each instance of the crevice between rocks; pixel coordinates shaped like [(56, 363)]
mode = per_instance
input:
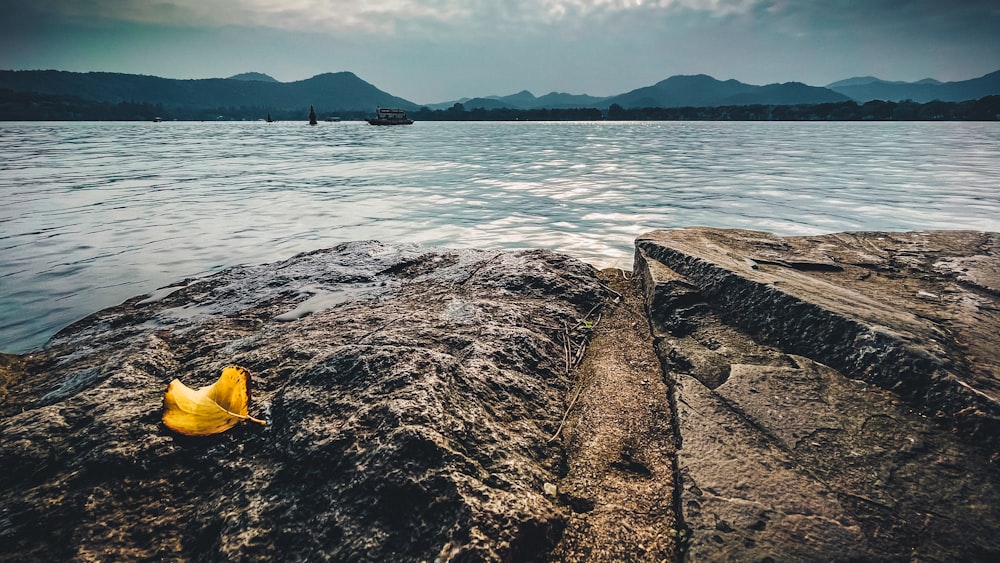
[(683, 533), (619, 444)]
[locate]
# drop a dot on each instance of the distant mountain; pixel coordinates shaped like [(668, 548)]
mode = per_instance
[(487, 104), (342, 91), (564, 100), (788, 93), (867, 88), (253, 76), (865, 80), (854, 81), (346, 91), (521, 100), (526, 100), (677, 91), (445, 105), (704, 91)]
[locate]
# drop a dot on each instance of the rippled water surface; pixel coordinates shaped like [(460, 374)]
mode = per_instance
[(94, 213)]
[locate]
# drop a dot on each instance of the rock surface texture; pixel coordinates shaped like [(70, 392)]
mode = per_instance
[(738, 397), (836, 396), (411, 396)]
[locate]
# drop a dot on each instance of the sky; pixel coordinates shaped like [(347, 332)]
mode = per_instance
[(431, 51)]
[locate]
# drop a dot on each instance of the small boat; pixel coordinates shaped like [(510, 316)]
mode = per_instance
[(386, 116), (333, 119), (157, 120)]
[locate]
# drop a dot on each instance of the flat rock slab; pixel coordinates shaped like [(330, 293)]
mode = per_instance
[(411, 395), (913, 312), (835, 395)]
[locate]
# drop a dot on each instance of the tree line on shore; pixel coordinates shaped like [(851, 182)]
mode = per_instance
[(20, 106), (983, 109)]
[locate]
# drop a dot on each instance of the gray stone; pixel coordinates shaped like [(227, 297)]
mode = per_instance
[(827, 409), (867, 317), (743, 397), (410, 394), (745, 498)]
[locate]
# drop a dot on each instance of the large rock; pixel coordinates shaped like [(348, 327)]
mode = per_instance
[(411, 396), (836, 396), (744, 397)]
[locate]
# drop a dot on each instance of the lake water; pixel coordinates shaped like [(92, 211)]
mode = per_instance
[(94, 213)]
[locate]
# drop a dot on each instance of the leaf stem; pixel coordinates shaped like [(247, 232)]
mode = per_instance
[(242, 416)]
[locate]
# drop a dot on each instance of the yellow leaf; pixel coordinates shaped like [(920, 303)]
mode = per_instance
[(209, 410)]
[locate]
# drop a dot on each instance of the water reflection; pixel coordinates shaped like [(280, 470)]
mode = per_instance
[(97, 212)]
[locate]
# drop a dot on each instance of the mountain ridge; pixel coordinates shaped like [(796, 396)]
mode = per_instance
[(345, 91), (333, 91), (867, 88), (253, 76), (673, 92), (704, 90)]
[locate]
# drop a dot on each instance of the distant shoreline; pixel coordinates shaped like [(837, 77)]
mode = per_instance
[(21, 106)]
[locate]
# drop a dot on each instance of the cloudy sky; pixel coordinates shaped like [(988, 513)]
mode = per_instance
[(438, 50)]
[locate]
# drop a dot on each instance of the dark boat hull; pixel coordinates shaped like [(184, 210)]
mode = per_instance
[(389, 121)]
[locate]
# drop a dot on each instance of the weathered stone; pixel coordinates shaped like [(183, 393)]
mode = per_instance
[(911, 486), (779, 398), (870, 318), (745, 498), (835, 395), (410, 394)]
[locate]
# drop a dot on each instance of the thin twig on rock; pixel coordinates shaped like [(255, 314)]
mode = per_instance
[(566, 415), (566, 352), (383, 326), (479, 267)]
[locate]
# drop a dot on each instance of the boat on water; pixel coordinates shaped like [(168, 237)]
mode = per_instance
[(387, 116)]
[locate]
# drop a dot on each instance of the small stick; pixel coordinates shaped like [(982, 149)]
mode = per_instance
[(583, 322), (240, 416), (565, 416), (477, 268), (566, 352), (618, 295), (579, 354), (360, 340)]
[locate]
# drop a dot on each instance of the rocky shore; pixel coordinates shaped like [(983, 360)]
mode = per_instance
[(738, 396)]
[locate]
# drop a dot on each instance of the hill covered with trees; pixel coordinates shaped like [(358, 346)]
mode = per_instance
[(57, 95), (984, 109), (339, 92)]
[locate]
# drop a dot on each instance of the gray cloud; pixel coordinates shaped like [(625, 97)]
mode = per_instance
[(430, 50), (370, 15)]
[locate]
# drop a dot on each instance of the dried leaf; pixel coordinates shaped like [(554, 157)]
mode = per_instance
[(209, 410)]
